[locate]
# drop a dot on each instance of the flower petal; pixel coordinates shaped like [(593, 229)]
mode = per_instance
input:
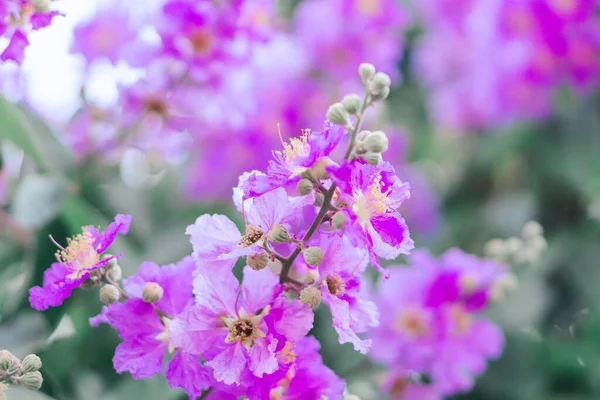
[(185, 371)]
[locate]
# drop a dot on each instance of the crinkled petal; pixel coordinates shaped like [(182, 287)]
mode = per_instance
[(185, 371), (276, 207), (340, 314), (57, 287), (259, 288), (390, 236), (141, 357), (262, 357), (229, 365), (197, 329), (101, 318), (120, 226), (212, 236), (15, 50), (134, 319), (293, 319), (217, 291)]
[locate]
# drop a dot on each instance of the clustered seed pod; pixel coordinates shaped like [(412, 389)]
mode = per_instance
[(31, 363), (32, 380), (24, 372), (152, 292)]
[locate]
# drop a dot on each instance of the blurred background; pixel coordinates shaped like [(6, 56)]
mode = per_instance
[(494, 120)]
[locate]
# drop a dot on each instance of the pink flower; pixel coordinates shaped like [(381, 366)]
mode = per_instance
[(309, 151), (17, 18), (76, 262), (239, 329), (145, 328), (431, 326), (216, 238), (371, 196), (105, 36), (339, 277)]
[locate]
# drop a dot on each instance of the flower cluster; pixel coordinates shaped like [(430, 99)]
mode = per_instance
[(518, 54), (433, 339), (19, 372), (17, 19)]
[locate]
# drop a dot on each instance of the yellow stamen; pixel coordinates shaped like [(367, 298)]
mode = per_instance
[(79, 254)]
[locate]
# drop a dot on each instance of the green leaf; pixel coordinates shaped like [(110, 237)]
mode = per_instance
[(15, 131)]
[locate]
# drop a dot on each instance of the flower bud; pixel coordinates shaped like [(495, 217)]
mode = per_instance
[(381, 96), (352, 103), (257, 261), (366, 72), (362, 136), (336, 114), (30, 363), (32, 380), (319, 199), (311, 295), (304, 186), (109, 294), (313, 256), (115, 273), (339, 220), (8, 361), (112, 262), (41, 6), (373, 158), (152, 292), (532, 229), (89, 283), (279, 234), (380, 81), (376, 142)]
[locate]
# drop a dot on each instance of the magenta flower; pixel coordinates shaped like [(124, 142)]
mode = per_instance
[(309, 151), (373, 196), (105, 36), (239, 329), (17, 18), (75, 262), (432, 327), (339, 277), (145, 328), (215, 238)]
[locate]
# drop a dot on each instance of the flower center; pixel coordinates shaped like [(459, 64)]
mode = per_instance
[(335, 284), (245, 328), (297, 147), (201, 40), (79, 254), (399, 386), (165, 336), (372, 203), (461, 319), (412, 322), (253, 234), (369, 7), (155, 105)]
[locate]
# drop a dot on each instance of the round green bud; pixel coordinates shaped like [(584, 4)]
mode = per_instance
[(257, 261), (311, 295), (362, 136), (319, 199), (89, 283), (152, 292), (115, 273), (279, 234), (336, 114), (30, 363), (8, 361), (366, 72), (112, 262), (380, 82), (313, 256), (381, 96), (339, 220), (376, 142), (532, 229), (109, 294), (304, 186), (373, 158), (352, 103), (32, 380)]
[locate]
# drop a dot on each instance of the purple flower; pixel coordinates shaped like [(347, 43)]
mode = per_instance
[(239, 329), (216, 238), (105, 36), (145, 328), (372, 196), (339, 277), (76, 262), (17, 17), (306, 152), (431, 324)]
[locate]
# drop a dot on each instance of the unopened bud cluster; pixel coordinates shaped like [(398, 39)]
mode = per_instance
[(20, 372), (526, 249)]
